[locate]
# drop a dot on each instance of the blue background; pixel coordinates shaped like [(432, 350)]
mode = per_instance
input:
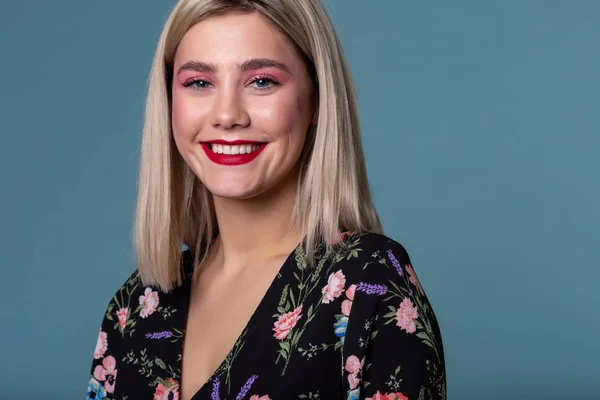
[(481, 128)]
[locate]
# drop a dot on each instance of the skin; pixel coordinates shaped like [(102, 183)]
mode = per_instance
[(254, 201)]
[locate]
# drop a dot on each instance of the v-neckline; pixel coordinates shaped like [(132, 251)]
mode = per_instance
[(251, 321)]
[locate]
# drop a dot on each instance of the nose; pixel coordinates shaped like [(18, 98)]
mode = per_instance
[(229, 109)]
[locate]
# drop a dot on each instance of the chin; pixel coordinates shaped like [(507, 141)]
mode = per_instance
[(237, 193)]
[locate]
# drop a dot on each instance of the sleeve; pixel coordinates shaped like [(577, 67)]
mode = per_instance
[(116, 326), (403, 356)]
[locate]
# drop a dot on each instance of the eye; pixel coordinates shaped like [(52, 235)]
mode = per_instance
[(263, 82), (198, 83)]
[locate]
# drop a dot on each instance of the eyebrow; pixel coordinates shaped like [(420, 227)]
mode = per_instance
[(254, 63)]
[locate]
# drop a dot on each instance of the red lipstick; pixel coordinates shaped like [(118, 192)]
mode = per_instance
[(232, 159)]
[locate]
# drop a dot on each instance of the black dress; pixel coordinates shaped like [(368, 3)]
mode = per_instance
[(355, 327)]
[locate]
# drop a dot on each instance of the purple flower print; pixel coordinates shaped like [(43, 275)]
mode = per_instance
[(246, 387), (215, 391), (159, 335), (369, 288), (395, 262)]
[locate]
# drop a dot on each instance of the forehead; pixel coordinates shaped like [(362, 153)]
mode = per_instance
[(235, 37)]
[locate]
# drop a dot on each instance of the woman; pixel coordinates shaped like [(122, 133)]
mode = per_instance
[(252, 159)]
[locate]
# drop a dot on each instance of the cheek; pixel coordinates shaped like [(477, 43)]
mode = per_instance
[(187, 116), (178, 117), (282, 116)]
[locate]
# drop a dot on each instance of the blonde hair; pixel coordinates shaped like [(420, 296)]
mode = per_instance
[(175, 208)]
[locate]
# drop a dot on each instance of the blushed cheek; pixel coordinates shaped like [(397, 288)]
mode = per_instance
[(177, 115), (286, 116), (184, 119), (188, 116)]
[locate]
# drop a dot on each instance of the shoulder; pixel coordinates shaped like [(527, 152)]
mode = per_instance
[(134, 296), (377, 260), (383, 242), (369, 247), (391, 323), (132, 281), (373, 241)]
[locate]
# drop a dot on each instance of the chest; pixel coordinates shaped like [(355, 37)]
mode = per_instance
[(274, 333), (220, 311)]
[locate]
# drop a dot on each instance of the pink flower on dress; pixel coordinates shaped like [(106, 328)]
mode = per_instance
[(353, 380), (387, 396), (406, 315), (122, 314), (101, 345), (150, 302), (346, 307), (255, 397), (286, 322), (413, 278), (347, 304), (354, 366), (107, 372), (350, 292), (167, 390), (334, 287)]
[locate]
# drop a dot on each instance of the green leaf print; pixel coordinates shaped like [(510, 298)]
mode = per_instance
[(293, 300), (109, 311), (285, 346), (160, 363), (230, 358), (310, 395), (283, 296), (300, 258), (313, 349), (307, 282), (121, 303), (353, 254), (394, 382), (410, 291)]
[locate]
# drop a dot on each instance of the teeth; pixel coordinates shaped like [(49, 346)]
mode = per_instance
[(237, 149)]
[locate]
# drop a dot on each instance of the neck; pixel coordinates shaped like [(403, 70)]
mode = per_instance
[(259, 228)]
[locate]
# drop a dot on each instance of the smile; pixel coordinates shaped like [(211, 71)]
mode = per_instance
[(235, 149), (232, 153)]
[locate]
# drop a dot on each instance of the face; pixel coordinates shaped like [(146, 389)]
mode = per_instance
[(241, 105)]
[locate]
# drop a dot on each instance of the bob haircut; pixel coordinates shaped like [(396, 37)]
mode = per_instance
[(174, 208)]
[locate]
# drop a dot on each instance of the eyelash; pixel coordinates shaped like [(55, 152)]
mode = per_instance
[(256, 78)]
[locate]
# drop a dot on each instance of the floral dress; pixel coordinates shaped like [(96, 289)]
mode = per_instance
[(354, 326)]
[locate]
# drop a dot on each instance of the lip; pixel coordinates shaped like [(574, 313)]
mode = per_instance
[(232, 159)]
